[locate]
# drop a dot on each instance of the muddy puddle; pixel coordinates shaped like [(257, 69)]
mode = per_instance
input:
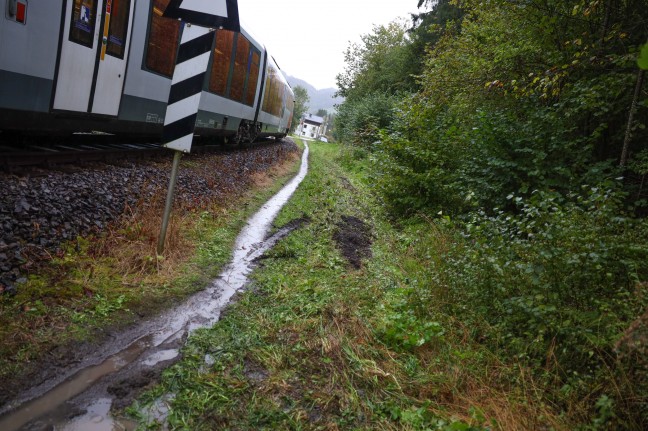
[(81, 398)]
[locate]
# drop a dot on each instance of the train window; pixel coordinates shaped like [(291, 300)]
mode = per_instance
[(267, 102), (162, 43), (253, 78), (82, 24), (290, 103), (221, 62), (268, 94), (234, 68), (265, 97), (273, 99), (120, 10), (240, 68)]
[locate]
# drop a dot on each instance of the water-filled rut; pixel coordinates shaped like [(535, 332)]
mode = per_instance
[(81, 398)]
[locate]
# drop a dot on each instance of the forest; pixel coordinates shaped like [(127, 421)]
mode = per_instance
[(514, 132)]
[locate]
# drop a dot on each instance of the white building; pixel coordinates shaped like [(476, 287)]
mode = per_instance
[(310, 126)]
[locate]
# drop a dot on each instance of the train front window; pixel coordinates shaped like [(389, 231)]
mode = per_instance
[(120, 10), (82, 24), (162, 43)]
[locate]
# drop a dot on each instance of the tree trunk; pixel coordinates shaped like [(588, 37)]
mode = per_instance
[(606, 20), (633, 109)]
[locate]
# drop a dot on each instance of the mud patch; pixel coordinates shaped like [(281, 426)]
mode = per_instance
[(347, 184), (127, 389), (295, 224), (353, 238), (57, 363), (254, 372)]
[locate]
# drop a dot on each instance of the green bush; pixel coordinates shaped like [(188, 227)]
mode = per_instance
[(558, 286), (435, 160), (415, 165), (557, 278), (553, 286), (522, 107), (358, 121)]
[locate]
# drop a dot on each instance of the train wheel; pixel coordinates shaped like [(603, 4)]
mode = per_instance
[(241, 134), (254, 133)]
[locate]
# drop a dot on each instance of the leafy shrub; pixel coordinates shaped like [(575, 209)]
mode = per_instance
[(403, 328), (358, 121), (415, 165), (554, 285), (560, 286), (435, 160), (556, 279)]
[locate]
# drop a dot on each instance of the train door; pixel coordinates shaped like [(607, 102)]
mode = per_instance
[(94, 51)]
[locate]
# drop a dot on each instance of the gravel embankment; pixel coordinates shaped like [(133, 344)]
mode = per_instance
[(41, 210)]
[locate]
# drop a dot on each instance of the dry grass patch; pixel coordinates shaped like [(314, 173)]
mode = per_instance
[(265, 179), (132, 244)]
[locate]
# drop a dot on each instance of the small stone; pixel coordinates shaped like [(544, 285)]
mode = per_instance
[(22, 206), (9, 290)]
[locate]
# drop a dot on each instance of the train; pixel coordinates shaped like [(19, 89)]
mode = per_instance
[(86, 66)]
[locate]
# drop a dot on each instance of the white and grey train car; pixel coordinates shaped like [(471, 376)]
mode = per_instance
[(106, 65)]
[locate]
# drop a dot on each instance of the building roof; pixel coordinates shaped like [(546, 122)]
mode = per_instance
[(313, 119)]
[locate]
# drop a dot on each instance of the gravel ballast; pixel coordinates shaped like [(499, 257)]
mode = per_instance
[(42, 209)]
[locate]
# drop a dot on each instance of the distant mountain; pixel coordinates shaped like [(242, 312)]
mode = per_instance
[(319, 99)]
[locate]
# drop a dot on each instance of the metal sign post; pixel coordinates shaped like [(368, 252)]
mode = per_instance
[(199, 17), (169, 202)]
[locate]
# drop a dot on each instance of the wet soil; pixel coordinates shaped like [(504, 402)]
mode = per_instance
[(297, 223), (128, 388), (353, 238), (254, 372)]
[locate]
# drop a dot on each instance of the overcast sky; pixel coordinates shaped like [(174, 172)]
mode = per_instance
[(323, 28)]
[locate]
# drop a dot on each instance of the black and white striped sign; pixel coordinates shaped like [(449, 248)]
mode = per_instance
[(186, 86), (191, 63), (208, 13)]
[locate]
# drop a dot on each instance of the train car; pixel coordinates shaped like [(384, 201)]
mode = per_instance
[(106, 65)]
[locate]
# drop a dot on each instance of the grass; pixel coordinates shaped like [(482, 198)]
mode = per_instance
[(103, 282), (314, 344)]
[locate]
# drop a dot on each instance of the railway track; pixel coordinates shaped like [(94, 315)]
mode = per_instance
[(19, 153)]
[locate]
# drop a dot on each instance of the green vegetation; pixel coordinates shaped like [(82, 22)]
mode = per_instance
[(487, 324), (314, 344), (498, 150), (521, 142)]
